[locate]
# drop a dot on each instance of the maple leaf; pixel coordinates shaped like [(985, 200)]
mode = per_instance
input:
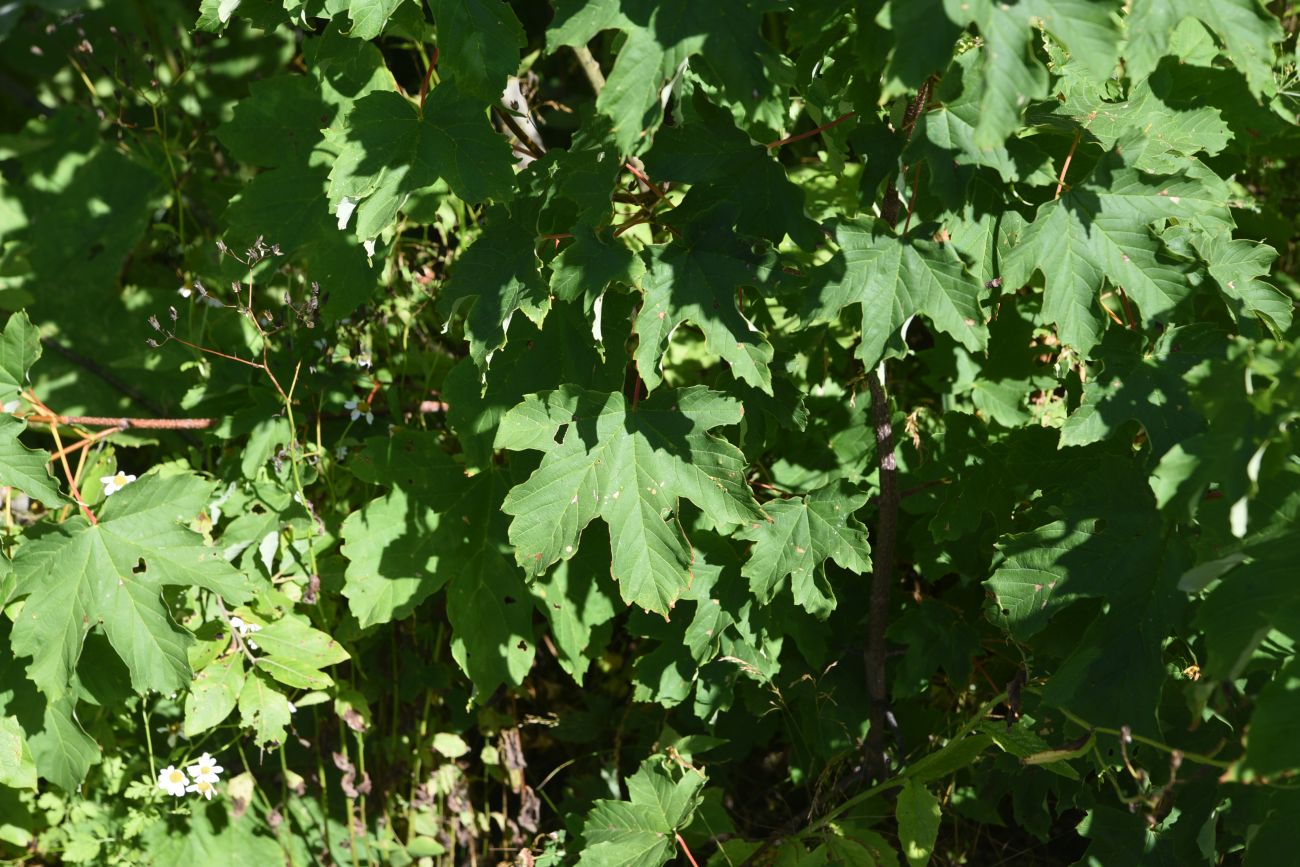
[(80, 575), (893, 279), (627, 465), (394, 147), (804, 533), (1101, 230), (639, 832)]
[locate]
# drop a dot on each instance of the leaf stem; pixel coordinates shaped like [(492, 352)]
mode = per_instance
[(812, 132), (1065, 167)]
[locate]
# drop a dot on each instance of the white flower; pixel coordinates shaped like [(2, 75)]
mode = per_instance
[(205, 770), (293, 708), (204, 788), (360, 408), (341, 452), (363, 362), (370, 247), (172, 780), (185, 292), (115, 483)]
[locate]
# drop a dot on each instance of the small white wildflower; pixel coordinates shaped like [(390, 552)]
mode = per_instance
[(370, 247), (185, 292), (360, 408), (172, 780), (204, 788), (205, 770), (363, 361), (113, 484), (293, 708), (341, 452)]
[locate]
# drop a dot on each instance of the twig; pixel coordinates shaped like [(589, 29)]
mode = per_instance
[(533, 147), (590, 68), (889, 207), (882, 574), (812, 132), (641, 176), (1065, 167), (124, 422)]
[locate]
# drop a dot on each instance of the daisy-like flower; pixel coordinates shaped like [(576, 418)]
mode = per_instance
[(360, 408), (185, 292), (114, 483), (363, 362), (172, 780), (204, 788), (205, 770)]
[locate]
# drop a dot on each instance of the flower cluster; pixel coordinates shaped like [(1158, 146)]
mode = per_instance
[(200, 777)]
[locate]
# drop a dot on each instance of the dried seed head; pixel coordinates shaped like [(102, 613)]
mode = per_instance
[(151, 343), (153, 323), (172, 312)]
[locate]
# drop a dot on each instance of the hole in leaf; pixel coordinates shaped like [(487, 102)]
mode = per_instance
[(522, 645), (139, 567), (509, 600)]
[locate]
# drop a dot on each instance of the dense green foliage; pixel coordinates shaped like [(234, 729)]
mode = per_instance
[(606, 432)]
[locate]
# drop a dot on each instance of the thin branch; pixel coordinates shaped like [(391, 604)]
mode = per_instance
[(687, 850), (643, 178), (533, 147), (812, 132), (883, 543), (889, 207), (590, 68)]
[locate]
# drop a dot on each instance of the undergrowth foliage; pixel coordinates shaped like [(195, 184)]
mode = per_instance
[(616, 432)]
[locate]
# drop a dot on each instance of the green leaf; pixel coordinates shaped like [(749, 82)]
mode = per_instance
[(723, 164), (479, 43), (1009, 75), (393, 555), (368, 17), (263, 708), (893, 279), (640, 832), (393, 147), (62, 750), (213, 694), (628, 465), (918, 817), (1100, 230), (1247, 30), (701, 282), (660, 40), (80, 575), (499, 275), (487, 601), (801, 534), (293, 653), (20, 348), (26, 469), (17, 767)]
